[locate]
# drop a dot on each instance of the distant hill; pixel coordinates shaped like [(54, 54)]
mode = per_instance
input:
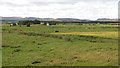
[(64, 19), (35, 18), (15, 19), (19, 18), (106, 19), (11, 18)]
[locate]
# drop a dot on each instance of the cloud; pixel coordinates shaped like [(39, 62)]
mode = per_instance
[(85, 9), (46, 2)]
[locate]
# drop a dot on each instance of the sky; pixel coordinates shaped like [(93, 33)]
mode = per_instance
[(81, 9)]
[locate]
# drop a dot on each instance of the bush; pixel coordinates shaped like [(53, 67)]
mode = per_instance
[(35, 62), (28, 25), (56, 31), (17, 50)]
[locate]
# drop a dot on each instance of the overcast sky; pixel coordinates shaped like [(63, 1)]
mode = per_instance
[(82, 9)]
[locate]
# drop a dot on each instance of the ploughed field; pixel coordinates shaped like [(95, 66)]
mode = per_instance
[(60, 45)]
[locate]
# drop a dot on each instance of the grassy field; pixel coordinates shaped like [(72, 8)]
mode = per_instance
[(71, 45), (0, 45)]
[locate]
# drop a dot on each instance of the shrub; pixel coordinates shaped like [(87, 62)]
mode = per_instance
[(35, 62), (17, 50), (39, 44), (28, 25), (15, 46), (56, 31), (33, 42)]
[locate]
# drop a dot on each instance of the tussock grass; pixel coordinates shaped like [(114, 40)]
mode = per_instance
[(99, 34)]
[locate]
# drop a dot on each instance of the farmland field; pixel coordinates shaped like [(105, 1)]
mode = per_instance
[(60, 45)]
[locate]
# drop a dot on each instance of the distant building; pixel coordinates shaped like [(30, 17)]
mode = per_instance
[(42, 23), (48, 23)]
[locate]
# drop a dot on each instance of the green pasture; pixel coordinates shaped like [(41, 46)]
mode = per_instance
[(71, 45)]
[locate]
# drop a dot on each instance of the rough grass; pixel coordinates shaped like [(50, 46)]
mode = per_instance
[(99, 34), (0, 44), (41, 46)]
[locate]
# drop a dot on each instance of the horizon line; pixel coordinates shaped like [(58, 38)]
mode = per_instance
[(60, 17)]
